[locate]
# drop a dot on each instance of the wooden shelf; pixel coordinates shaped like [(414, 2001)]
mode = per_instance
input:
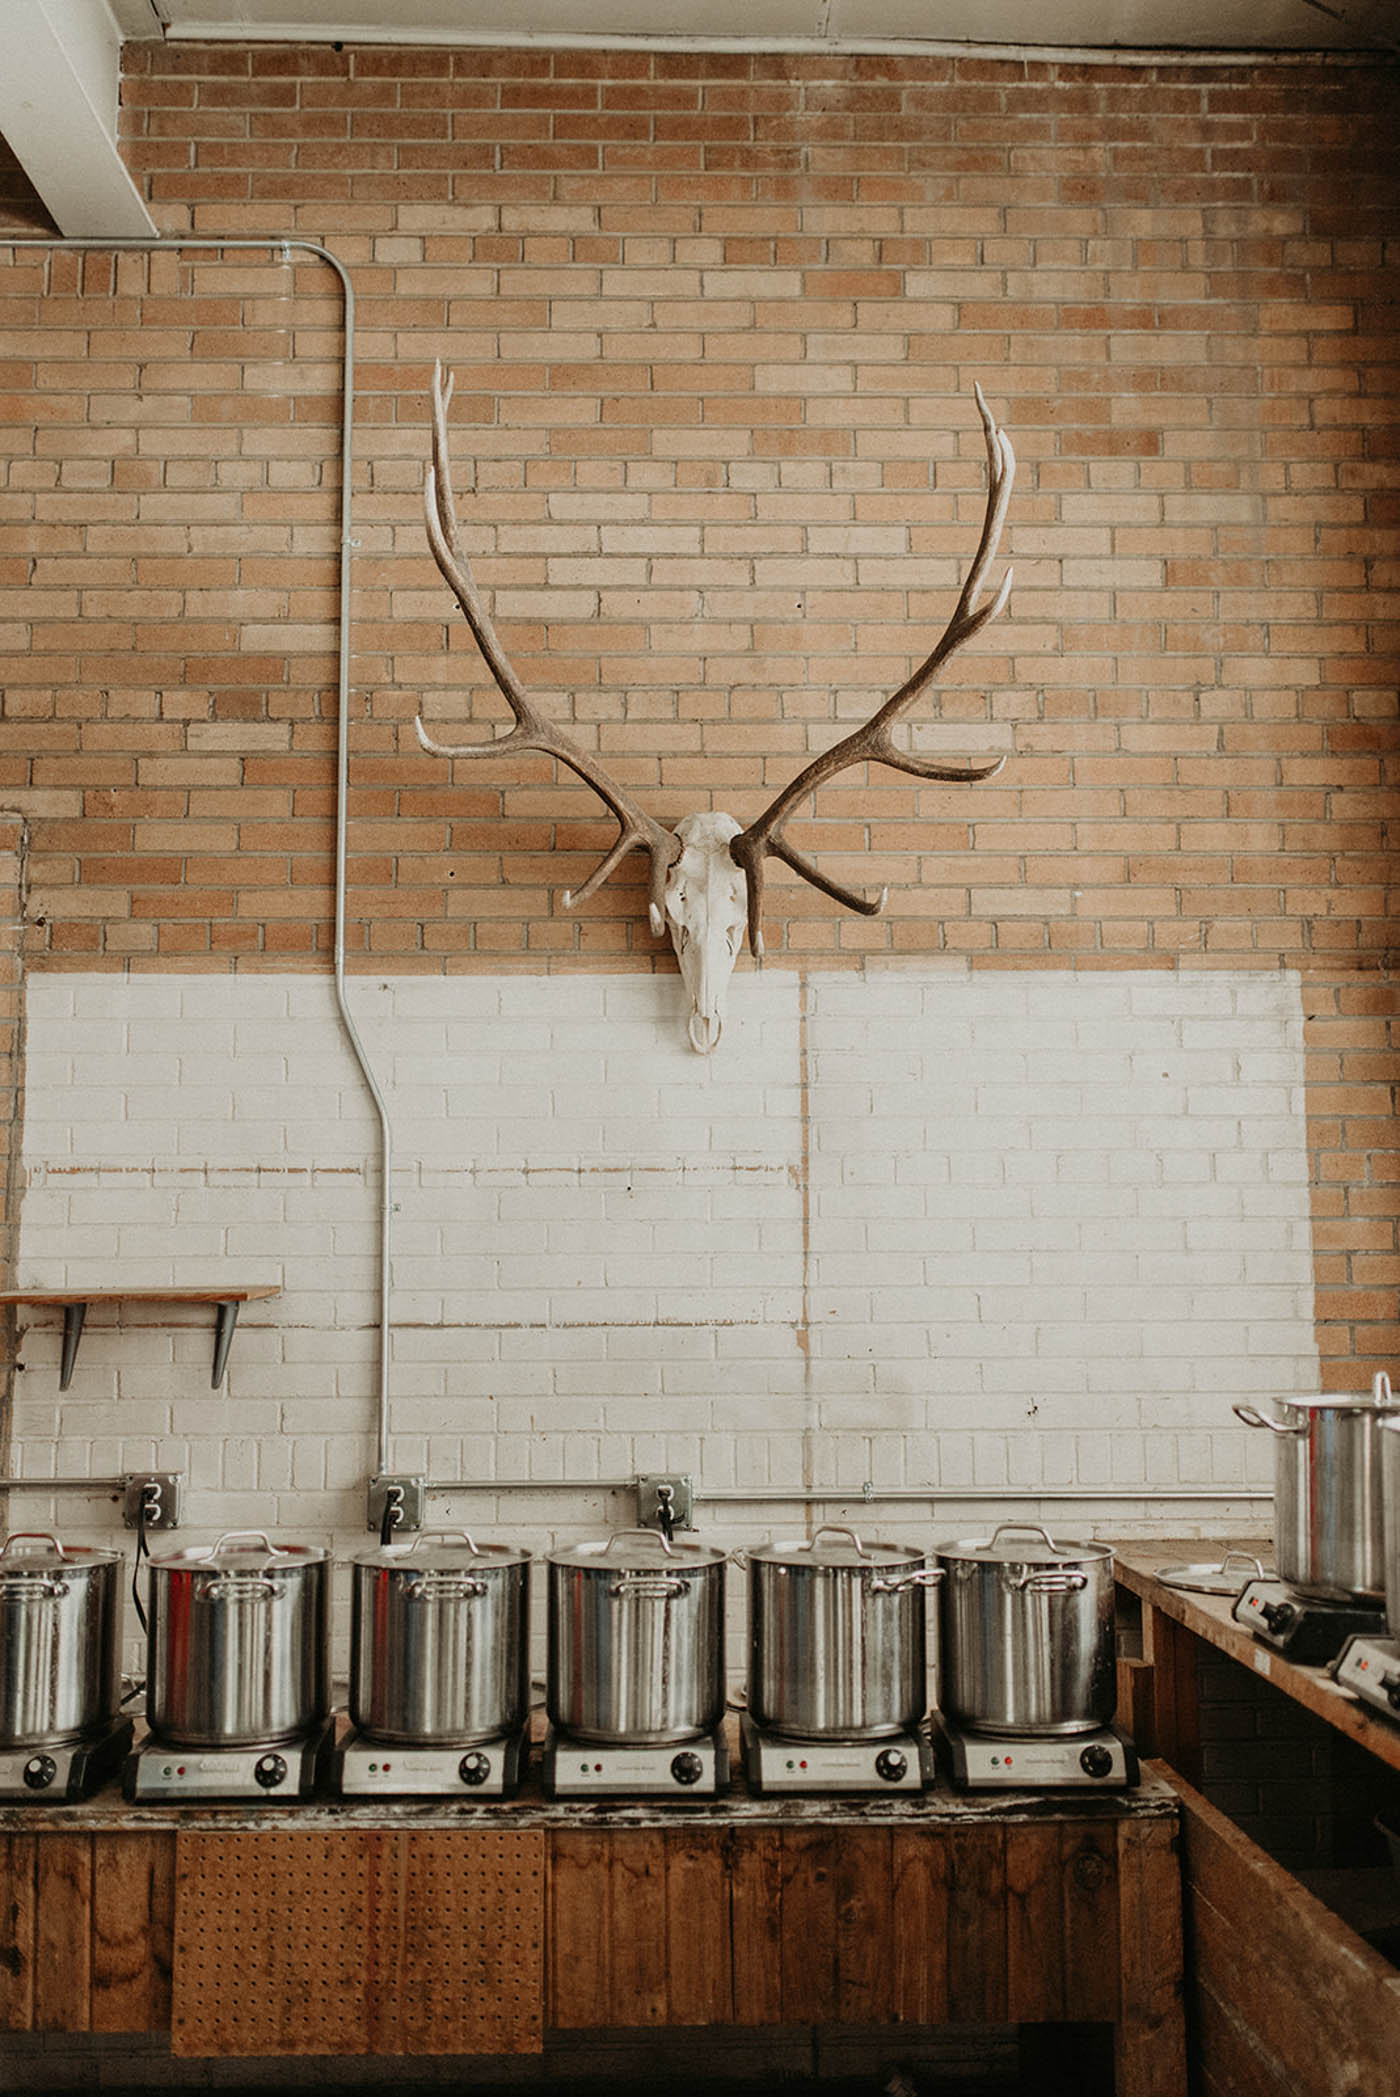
[(74, 1305)]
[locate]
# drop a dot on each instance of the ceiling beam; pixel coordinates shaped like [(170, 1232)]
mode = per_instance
[(58, 112)]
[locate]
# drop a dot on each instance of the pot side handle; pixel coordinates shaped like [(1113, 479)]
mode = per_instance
[(1065, 1583), (1252, 1417), (930, 1577)]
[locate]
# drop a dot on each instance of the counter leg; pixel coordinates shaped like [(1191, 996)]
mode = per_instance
[(1150, 2041)]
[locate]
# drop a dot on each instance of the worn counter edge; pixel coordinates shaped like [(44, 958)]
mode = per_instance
[(107, 1811)]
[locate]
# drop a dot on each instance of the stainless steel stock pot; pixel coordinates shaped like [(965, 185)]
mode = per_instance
[(1329, 1509), (1390, 1491), (239, 1642), (1026, 1641), (439, 1640), (60, 1613), (837, 1636), (636, 1638)]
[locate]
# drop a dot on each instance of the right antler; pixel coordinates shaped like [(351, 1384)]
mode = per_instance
[(871, 742), (533, 730)]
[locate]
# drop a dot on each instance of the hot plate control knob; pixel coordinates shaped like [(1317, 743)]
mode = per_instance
[(1278, 1615), (474, 1768), (40, 1771), (686, 1767), (1097, 1760), (1389, 1683), (270, 1771), (891, 1765)]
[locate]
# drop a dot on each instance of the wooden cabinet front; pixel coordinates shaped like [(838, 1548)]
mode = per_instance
[(330, 1933)]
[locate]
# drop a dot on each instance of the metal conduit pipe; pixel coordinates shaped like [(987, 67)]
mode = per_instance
[(61, 1485), (869, 1495), (282, 244)]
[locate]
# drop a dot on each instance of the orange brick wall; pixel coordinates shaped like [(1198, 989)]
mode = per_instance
[(716, 322)]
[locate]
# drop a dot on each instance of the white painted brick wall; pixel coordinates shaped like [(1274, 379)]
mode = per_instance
[(1015, 1231)]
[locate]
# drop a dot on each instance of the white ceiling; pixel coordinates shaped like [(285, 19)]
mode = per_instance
[(841, 24)]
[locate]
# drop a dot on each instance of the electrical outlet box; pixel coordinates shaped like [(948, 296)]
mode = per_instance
[(403, 1497), (161, 1493), (676, 1494)]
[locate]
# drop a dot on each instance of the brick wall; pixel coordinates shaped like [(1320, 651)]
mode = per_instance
[(716, 322)]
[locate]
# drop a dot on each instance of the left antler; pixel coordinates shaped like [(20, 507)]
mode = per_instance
[(533, 729), (872, 741)]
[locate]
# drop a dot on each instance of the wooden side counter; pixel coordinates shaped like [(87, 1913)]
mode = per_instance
[(1284, 1998), (325, 1929)]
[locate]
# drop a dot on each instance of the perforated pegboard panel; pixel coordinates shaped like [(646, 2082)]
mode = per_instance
[(358, 1942), (471, 1944)]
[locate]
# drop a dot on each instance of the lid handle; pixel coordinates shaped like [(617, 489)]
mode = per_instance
[(838, 1529), (32, 1536), (1380, 1388), (650, 1536), (450, 1536), (1024, 1529)]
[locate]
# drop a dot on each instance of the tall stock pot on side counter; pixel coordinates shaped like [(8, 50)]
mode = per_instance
[(1026, 1633), (837, 1636), (60, 1615), (636, 1638), (239, 1650), (439, 1640), (1329, 1511)]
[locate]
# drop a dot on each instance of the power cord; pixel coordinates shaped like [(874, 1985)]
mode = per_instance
[(149, 1505)]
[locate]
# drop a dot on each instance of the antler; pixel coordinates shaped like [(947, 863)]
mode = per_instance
[(872, 741), (533, 730)]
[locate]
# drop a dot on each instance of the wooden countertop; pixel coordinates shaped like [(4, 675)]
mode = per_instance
[(108, 1811), (1137, 1565)]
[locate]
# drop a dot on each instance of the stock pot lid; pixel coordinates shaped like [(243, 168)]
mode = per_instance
[(37, 1551), (1343, 1402), (638, 1550), (833, 1546), (1022, 1543), (242, 1551), (442, 1551)]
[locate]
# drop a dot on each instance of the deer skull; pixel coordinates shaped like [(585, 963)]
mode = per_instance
[(707, 872), (707, 898)]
